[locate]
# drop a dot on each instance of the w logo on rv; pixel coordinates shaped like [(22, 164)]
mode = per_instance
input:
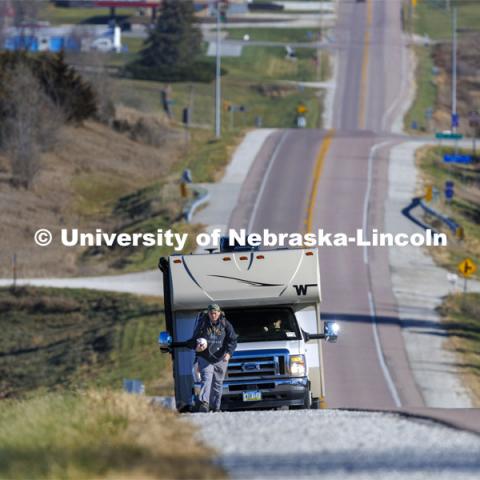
[(302, 289)]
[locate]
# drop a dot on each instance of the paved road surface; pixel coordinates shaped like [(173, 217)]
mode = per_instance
[(337, 181)]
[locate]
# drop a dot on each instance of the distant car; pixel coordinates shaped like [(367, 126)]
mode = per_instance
[(103, 45)]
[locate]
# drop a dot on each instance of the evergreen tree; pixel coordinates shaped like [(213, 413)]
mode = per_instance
[(175, 42)]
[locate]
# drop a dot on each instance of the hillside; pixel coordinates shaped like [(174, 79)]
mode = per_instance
[(79, 184)]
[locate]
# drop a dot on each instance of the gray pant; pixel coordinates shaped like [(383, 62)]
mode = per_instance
[(212, 375)]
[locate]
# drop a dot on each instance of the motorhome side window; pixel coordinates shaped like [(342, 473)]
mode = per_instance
[(264, 325)]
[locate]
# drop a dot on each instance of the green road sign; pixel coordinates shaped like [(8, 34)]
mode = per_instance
[(448, 136)]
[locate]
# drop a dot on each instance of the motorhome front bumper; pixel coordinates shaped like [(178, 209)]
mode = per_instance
[(275, 393)]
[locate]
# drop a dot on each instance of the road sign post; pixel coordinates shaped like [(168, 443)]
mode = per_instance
[(428, 118), (467, 269), (428, 193), (449, 191)]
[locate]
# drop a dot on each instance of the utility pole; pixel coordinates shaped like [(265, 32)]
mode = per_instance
[(454, 76), (14, 270), (218, 91), (454, 64)]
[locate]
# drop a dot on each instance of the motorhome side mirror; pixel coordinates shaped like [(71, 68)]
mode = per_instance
[(165, 342), (331, 330)]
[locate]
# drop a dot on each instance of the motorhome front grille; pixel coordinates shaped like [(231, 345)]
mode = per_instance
[(269, 365)]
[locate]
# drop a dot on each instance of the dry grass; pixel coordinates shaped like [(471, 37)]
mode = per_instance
[(464, 208), (461, 318), (99, 434), (78, 186)]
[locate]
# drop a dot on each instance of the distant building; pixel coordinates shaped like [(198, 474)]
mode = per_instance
[(41, 38)]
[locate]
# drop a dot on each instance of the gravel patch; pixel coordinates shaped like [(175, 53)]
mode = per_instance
[(338, 444)]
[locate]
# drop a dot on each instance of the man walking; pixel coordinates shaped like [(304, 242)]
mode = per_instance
[(213, 355)]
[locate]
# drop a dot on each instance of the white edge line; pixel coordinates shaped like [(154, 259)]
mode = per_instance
[(264, 181), (366, 200), (381, 358)]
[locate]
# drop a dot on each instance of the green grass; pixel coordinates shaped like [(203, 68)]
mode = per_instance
[(433, 19), (58, 15), (147, 210), (95, 194), (253, 80), (54, 339), (426, 94), (461, 318), (208, 156), (287, 35), (98, 434), (464, 209)]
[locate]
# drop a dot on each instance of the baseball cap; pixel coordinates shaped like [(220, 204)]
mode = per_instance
[(213, 307)]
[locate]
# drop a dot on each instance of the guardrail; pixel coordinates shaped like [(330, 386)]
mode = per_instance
[(201, 197), (454, 227), (451, 224)]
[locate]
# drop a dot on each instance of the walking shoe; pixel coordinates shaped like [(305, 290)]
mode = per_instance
[(203, 408)]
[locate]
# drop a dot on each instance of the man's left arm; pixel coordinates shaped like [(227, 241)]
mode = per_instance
[(230, 340)]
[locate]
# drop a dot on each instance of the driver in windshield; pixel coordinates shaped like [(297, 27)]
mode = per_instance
[(276, 326)]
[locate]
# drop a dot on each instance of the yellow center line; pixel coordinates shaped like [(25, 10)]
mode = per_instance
[(316, 178), (364, 76)]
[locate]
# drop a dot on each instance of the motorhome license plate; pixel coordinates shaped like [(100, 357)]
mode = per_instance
[(253, 396)]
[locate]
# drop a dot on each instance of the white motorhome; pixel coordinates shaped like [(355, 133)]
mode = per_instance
[(272, 298)]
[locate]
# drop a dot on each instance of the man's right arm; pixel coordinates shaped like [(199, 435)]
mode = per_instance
[(192, 343)]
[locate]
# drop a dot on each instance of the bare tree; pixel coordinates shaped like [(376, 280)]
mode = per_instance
[(31, 125)]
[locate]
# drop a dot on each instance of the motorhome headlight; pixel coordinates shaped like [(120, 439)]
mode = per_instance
[(297, 365)]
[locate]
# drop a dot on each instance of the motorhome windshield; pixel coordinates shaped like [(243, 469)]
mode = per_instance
[(264, 325)]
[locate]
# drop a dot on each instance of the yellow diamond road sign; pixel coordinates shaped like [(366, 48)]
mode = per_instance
[(467, 267), (301, 109)]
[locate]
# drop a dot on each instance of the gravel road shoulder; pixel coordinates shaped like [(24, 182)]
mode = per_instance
[(338, 444)]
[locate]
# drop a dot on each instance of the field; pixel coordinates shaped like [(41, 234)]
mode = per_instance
[(64, 355), (69, 339), (284, 35), (262, 80), (432, 18), (57, 15)]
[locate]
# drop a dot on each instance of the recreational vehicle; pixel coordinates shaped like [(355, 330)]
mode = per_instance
[(272, 298)]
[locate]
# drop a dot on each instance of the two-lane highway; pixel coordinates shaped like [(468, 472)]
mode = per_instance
[(337, 180)]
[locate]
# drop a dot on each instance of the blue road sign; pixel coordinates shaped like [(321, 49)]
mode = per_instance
[(449, 189), (465, 159), (449, 192), (455, 120)]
